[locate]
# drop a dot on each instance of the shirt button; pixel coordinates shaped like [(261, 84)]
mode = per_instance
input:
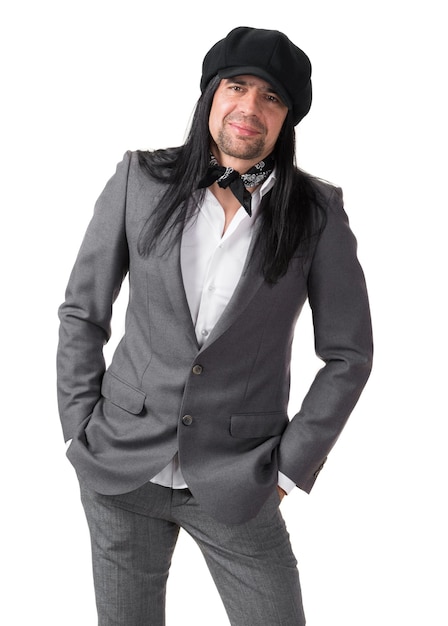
[(197, 369), (212, 288), (187, 420), (204, 333)]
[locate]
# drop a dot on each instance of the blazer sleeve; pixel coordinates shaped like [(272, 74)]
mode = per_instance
[(343, 340), (85, 315)]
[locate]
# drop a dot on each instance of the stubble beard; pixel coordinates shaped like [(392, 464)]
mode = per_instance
[(247, 148)]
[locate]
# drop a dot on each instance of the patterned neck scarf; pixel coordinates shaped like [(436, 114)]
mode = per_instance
[(238, 183)]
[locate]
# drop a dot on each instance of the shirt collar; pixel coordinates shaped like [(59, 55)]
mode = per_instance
[(261, 191), (257, 197)]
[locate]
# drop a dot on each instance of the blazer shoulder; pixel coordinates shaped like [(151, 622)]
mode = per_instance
[(327, 193), (140, 173)]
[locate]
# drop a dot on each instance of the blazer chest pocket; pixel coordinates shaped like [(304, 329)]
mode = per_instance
[(122, 394), (247, 425)]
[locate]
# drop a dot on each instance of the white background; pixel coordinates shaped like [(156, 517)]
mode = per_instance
[(83, 82)]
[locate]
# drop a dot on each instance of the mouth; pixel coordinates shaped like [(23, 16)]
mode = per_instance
[(244, 129)]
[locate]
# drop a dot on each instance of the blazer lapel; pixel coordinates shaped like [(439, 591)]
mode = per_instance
[(170, 271), (249, 283)]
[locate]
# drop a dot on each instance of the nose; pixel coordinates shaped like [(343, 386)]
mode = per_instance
[(250, 103)]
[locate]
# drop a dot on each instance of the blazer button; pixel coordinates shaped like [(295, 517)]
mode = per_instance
[(187, 420), (197, 369)]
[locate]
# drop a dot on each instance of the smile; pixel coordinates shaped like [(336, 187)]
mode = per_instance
[(242, 129)]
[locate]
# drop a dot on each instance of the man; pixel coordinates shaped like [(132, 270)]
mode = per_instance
[(224, 239)]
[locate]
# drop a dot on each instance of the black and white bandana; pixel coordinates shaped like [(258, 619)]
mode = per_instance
[(238, 183)]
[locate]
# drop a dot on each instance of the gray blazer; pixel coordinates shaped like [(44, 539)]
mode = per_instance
[(223, 407)]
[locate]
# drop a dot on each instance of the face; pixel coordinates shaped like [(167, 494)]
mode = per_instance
[(245, 120)]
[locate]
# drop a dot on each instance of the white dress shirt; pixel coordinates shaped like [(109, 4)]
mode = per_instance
[(211, 264)]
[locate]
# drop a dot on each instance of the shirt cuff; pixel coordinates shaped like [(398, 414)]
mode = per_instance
[(285, 483)]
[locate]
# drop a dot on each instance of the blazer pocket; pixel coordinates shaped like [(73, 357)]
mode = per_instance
[(247, 425), (122, 394)]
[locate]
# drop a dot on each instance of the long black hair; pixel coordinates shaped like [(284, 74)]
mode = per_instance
[(290, 213)]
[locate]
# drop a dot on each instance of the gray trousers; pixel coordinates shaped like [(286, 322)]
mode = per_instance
[(133, 537)]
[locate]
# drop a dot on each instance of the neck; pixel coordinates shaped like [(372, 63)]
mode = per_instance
[(240, 165)]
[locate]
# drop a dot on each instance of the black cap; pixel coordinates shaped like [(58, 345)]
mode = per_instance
[(268, 54)]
